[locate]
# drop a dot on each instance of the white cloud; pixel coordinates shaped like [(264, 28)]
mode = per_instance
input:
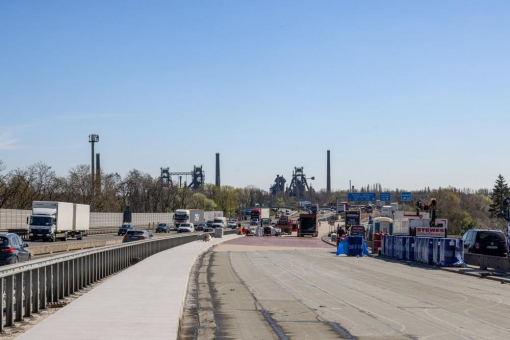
[(7, 142), (92, 115)]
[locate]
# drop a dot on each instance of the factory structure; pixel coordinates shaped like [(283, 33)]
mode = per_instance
[(298, 186), (193, 179)]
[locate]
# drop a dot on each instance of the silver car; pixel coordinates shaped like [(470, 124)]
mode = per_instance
[(136, 235)]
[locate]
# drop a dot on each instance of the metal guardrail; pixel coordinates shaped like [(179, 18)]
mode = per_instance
[(487, 261), (31, 286)]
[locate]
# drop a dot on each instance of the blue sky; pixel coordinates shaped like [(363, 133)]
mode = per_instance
[(405, 93)]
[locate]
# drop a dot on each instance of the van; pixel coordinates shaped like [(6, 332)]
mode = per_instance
[(220, 222), (387, 211)]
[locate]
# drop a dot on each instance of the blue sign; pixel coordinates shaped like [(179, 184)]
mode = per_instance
[(406, 196), (385, 196), (361, 197)]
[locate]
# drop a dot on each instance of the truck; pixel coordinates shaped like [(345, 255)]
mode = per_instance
[(210, 215), (259, 213), (304, 204), (50, 221), (387, 211), (394, 206), (188, 216), (407, 223), (342, 207), (220, 222), (420, 223), (308, 225), (285, 224)]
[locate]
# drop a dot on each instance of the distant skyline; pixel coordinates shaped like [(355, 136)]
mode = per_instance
[(406, 94)]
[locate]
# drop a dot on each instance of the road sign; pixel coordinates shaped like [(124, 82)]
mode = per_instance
[(385, 196), (361, 197), (352, 218), (405, 196)]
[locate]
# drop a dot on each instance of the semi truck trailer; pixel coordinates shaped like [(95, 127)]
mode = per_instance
[(259, 213), (308, 225), (188, 216), (58, 220)]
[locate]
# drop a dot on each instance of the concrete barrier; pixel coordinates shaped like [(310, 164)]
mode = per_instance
[(487, 261), (63, 247), (52, 248)]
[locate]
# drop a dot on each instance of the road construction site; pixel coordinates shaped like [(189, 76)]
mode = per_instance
[(297, 288)]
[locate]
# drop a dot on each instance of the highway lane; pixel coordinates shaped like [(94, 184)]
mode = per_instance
[(101, 237), (290, 288), (97, 237), (40, 249)]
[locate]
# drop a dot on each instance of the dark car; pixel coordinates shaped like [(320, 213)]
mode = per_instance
[(209, 223), (201, 226), (485, 242), (136, 235), (13, 249), (124, 228), (163, 228)]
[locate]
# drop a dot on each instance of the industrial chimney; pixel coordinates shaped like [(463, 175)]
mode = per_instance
[(218, 183), (98, 172), (328, 189)]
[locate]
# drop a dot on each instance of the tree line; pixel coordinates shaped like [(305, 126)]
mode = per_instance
[(140, 191), (464, 208)]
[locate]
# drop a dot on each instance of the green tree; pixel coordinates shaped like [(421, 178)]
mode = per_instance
[(226, 198), (200, 201), (498, 195)]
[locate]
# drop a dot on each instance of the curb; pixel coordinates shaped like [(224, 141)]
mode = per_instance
[(324, 239)]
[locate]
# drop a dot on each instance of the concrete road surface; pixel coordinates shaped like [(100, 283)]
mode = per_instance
[(296, 288)]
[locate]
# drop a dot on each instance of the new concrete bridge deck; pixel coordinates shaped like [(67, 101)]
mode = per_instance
[(142, 302)]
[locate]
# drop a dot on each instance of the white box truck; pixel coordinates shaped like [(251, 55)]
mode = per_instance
[(188, 216), (58, 220), (81, 221), (387, 211)]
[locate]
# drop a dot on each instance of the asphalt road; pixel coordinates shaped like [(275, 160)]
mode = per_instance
[(98, 237), (290, 288)]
